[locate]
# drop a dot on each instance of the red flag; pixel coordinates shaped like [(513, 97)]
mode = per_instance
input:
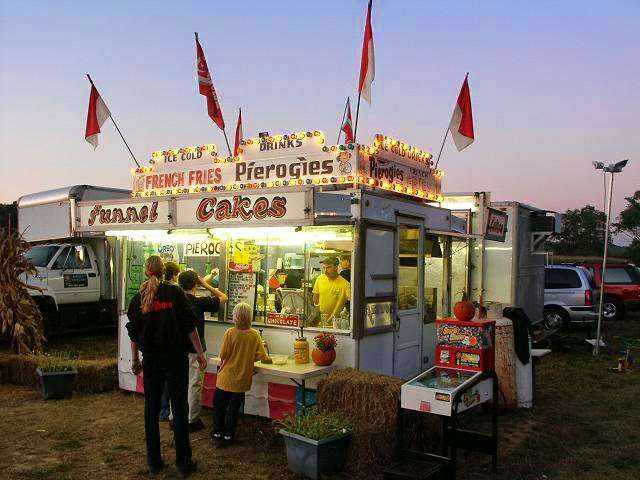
[(367, 63), (96, 116), (347, 126), (206, 87), (461, 125), (236, 145)]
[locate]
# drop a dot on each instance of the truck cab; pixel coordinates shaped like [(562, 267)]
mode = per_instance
[(68, 273), (74, 285)]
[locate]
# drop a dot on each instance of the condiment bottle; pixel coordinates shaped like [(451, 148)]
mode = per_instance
[(264, 343), (301, 349)]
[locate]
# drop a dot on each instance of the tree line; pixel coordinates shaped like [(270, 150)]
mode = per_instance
[(583, 231)]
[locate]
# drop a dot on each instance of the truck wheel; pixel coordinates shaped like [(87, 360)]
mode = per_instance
[(554, 318), (50, 316), (612, 309)]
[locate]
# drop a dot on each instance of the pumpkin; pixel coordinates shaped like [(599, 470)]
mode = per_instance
[(464, 310), (322, 359)]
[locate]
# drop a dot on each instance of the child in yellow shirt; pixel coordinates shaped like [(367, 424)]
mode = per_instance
[(241, 347)]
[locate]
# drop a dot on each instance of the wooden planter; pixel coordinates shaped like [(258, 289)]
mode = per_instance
[(56, 385), (313, 458)]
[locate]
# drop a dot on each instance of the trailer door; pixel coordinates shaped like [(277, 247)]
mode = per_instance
[(409, 298)]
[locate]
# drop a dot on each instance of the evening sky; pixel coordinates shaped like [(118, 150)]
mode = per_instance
[(554, 85)]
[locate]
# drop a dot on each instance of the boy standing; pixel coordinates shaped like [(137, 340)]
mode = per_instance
[(241, 347), (188, 280), (171, 272)]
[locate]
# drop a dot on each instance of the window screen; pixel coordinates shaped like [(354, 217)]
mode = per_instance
[(557, 278), (617, 275), (69, 258)]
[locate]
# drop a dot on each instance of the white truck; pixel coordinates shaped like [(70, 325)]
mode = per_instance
[(77, 272)]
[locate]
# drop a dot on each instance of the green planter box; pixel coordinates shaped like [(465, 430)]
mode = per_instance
[(56, 385), (313, 458)]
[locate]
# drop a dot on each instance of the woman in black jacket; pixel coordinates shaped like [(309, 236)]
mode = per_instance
[(162, 326)]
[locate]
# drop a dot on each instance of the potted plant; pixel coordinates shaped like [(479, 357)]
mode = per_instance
[(316, 443), (325, 352), (56, 377)]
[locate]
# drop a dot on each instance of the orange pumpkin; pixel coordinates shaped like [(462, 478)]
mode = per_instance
[(464, 310), (322, 359)]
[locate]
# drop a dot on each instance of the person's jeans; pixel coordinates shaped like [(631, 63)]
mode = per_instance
[(174, 371), (226, 410), (195, 388)]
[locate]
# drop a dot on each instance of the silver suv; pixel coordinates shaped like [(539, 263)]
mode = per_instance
[(569, 296)]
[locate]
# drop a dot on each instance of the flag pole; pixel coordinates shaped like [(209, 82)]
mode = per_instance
[(344, 114), (116, 125), (224, 130), (355, 132), (441, 147)]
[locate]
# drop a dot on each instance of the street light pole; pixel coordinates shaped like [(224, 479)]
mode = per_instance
[(596, 347), (612, 169)]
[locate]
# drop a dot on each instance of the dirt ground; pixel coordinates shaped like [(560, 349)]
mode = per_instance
[(585, 424)]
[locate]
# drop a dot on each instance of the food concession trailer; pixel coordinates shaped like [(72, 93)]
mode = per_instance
[(266, 219)]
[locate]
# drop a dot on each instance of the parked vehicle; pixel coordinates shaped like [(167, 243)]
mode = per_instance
[(569, 296), (621, 288), (75, 271)]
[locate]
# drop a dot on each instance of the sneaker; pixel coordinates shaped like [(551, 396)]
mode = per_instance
[(164, 417), (196, 426), (185, 472), (216, 439), (227, 440)]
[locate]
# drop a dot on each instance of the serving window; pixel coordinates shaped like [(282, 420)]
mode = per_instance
[(273, 269), (446, 274)]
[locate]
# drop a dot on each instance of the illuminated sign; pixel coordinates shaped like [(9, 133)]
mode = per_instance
[(179, 155), (98, 215), (295, 159), (396, 166), (245, 209), (291, 144), (395, 149)]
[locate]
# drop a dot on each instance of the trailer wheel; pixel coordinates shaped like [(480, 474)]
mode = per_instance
[(554, 318)]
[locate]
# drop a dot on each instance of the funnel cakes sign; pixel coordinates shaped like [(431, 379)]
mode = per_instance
[(100, 216), (242, 209)]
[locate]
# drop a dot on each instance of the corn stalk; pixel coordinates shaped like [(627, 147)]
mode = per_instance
[(20, 318)]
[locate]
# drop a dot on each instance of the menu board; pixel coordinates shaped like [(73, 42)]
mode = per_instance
[(242, 288)]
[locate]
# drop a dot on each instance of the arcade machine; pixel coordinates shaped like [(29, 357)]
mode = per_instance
[(462, 379)]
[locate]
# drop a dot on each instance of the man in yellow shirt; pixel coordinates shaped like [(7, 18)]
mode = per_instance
[(331, 291)]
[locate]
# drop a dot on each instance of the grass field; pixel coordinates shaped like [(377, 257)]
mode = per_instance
[(585, 425)]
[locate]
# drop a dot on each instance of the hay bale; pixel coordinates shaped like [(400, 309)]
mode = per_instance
[(94, 376), (370, 402)]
